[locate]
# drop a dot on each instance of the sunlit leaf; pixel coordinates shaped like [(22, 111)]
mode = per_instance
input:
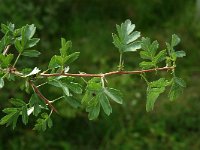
[(125, 41)]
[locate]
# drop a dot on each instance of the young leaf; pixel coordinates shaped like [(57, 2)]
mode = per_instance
[(175, 40), (145, 55), (180, 53), (31, 53), (147, 65), (65, 47), (114, 94), (149, 48)]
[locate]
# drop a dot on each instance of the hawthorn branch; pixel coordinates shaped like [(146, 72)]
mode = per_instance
[(106, 74), (37, 91)]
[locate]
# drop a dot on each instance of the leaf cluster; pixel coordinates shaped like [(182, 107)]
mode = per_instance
[(93, 94)]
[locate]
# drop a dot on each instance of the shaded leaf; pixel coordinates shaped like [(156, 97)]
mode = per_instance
[(154, 89), (11, 117), (43, 122), (31, 53), (105, 103), (72, 101), (17, 102), (93, 110), (37, 104), (176, 88), (114, 94), (24, 115)]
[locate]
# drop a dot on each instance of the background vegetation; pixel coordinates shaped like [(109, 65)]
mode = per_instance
[(89, 24)]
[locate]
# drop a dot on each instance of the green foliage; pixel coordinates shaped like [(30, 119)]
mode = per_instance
[(177, 85), (31, 53), (43, 122), (97, 95), (5, 60), (24, 40), (96, 92), (36, 104), (154, 89), (66, 56), (149, 51), (173, 55), (14, 112), (125, 41)]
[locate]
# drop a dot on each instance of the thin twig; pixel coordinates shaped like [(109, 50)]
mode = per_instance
[(16, 59), (6, 50), (37, 91), (106, 74)]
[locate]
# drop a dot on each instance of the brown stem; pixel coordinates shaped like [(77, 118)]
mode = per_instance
[(37, 91), (106, 74)]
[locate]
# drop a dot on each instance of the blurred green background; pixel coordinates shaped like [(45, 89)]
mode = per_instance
[(89, 24)]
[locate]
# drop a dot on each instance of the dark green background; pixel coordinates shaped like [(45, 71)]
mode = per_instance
[(89, 24)]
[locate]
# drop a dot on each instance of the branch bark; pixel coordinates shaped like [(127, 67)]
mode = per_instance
[(37, 91), (106, 74)]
